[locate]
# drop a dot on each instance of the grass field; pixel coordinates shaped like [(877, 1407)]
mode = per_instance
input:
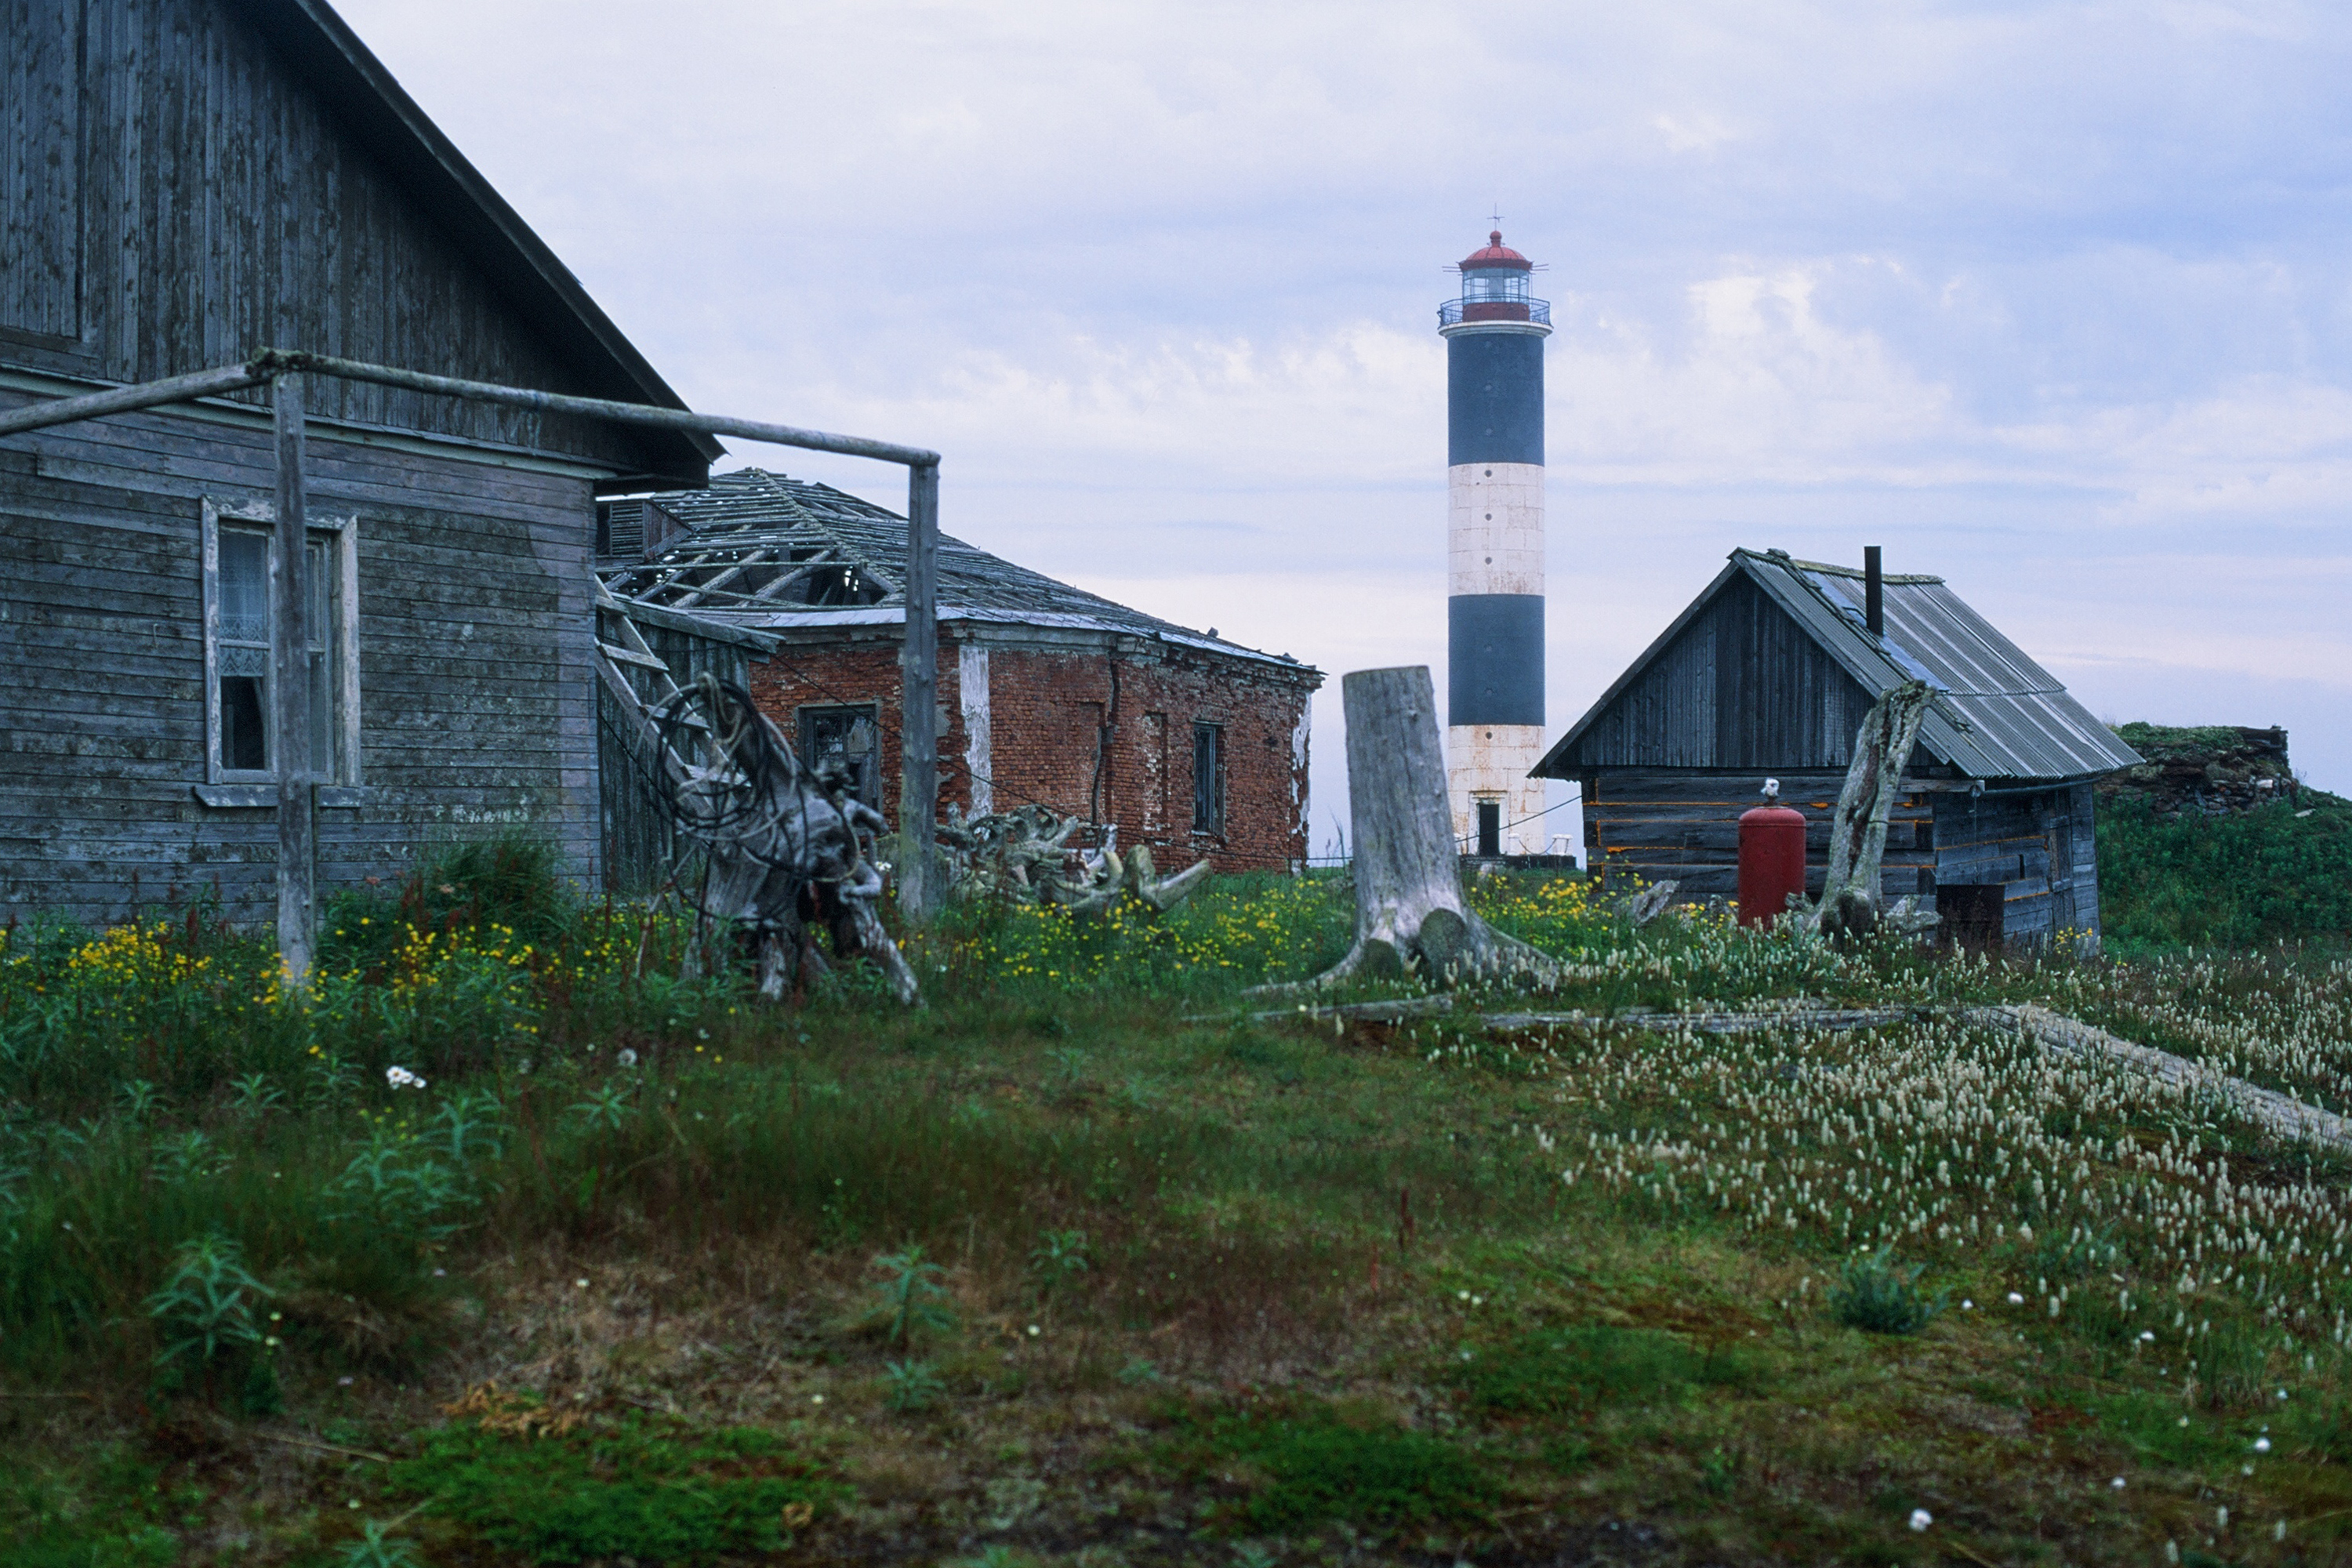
[(506, 1246)]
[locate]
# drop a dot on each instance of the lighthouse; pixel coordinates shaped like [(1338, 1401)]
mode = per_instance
[(1494, 548)]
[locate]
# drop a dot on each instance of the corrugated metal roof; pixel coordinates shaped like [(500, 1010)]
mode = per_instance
[(762, 550), (1997, 715)]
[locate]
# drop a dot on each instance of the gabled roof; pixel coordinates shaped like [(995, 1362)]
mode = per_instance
[(356, 86), (763, 550), (1996, 713)]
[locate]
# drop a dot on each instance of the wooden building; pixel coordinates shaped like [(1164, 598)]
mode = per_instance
[(183, 182), (1180, 739), (1771, 671)]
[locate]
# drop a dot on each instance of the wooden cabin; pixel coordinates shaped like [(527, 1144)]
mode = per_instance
[(1769, 673), (183, 182)]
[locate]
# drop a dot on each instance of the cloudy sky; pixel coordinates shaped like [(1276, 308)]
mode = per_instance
[(2052, 300)]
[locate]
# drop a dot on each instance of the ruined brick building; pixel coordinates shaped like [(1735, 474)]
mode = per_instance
[(1177, 739)]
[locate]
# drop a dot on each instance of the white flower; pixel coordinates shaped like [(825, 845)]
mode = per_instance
[(1921, 1518), (582, 1283), (627, 1058), (2262, 1445), (2015, 1300), (401, 1078), (2117, 1483), (819, 1398), (2146, 1337), (1967, 1305), (1034, 1330)]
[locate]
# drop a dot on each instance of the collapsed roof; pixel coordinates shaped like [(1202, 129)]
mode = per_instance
[(760, 550)]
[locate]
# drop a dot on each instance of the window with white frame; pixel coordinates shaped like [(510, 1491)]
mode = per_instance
[(240, 548)]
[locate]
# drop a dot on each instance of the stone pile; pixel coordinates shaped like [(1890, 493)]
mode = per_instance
[(2207, 770)]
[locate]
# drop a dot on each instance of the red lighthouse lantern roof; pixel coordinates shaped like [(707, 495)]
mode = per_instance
[(1496, 254)]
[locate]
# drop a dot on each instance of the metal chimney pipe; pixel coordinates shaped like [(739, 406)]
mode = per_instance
[(1874, 591)]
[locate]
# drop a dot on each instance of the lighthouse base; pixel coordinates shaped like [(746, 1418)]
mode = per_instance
[(1498, 809)]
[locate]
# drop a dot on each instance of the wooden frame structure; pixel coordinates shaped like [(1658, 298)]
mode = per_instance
[(284, 371)]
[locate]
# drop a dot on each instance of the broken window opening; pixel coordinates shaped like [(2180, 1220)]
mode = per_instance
[(849, 736), (240, 706), (1208, 778)]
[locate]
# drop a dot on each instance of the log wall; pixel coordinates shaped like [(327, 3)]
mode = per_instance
[(2036, 847), (1656, 824)]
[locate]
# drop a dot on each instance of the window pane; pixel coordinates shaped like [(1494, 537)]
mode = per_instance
[(1208, 778), (244, 740), (322, 717), (318, 608), (243, 586)]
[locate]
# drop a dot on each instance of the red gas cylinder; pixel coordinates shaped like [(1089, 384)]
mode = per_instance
[(1771, 862)]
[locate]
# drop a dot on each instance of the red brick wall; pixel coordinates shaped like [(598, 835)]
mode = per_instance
[(1047, 712)]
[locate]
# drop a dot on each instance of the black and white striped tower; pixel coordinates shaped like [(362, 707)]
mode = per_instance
[(1494, 549)]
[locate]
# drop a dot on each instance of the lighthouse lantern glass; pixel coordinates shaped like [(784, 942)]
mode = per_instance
[(1482, 284)]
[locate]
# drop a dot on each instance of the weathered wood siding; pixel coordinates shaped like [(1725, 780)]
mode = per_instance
[(475, 664), (640, 843), (1741, 687), (2037, 848), (1658, 824), (174, 196)]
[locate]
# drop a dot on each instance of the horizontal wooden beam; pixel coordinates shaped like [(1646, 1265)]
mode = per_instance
[(271, 362), (129, 399)]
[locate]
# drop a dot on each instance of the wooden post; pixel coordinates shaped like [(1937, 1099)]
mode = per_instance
[(290, 667), (918, 740)]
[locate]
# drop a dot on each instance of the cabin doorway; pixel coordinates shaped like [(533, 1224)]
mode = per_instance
[(1972, 914)]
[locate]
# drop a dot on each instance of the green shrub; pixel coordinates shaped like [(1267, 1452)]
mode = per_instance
[(911, 1296), (376, 1549), (1879, 1296), (656, 1491), (1058, 1258), (911, 1385), (205, 1313)]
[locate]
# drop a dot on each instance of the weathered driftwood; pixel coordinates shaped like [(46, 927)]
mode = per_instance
[(787, 848), (1649, 903), (1851, 905), (1409, 915), (1708, 1023), (1024, 855), (2281, 1115)]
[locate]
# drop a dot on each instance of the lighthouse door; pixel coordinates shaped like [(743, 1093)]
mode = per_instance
[(1490, 828)]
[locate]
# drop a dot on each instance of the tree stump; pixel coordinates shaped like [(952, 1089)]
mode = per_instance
[(1410, 915)]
